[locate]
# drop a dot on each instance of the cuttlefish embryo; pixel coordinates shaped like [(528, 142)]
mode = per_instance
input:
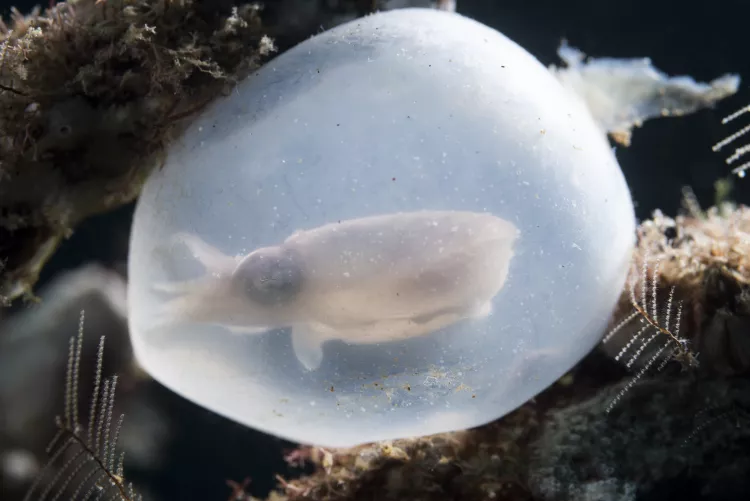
[(362, 281)]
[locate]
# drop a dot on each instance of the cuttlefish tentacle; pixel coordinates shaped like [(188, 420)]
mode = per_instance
[(212, 259), (201, 300), (209, 256), (193, 296)]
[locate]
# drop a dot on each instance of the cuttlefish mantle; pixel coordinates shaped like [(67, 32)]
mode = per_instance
[(362, 281)]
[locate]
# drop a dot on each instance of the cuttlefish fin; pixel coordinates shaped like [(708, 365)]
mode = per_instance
[(482, 311), (307, 344)]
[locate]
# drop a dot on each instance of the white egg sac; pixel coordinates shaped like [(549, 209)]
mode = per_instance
[(402, 226)]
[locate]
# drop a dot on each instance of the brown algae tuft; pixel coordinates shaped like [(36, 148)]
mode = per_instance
[(90, 91)]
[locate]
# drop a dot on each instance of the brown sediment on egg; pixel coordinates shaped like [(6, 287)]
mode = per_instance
[(91, 91)]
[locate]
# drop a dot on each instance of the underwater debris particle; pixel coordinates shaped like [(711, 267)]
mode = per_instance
[(623, 93)]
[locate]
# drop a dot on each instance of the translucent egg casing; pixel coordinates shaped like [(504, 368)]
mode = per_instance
[(389, 126)]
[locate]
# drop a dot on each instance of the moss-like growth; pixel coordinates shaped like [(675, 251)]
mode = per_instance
[(90, 91)]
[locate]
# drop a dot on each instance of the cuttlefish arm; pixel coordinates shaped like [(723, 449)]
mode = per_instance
[(216, 298), (212, 259), (209, 298)]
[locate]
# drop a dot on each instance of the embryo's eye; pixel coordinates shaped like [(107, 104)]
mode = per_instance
[(270, 277)]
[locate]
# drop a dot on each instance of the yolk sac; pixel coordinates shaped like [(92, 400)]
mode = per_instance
[(405, 225)]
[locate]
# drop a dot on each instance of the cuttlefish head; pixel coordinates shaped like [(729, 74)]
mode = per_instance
[(271, 276), (253, 293)]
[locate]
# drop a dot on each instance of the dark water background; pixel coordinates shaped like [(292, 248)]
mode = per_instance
[(700, 39)]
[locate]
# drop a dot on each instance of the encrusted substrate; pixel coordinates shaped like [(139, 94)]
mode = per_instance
[(705, 256), (662, 434), (485, 463), (90, 91)]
